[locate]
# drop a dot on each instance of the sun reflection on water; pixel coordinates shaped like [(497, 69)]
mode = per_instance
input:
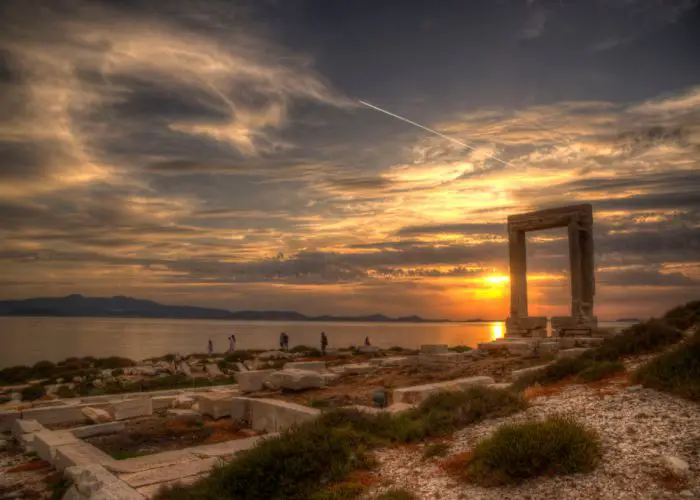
[(497, 331)]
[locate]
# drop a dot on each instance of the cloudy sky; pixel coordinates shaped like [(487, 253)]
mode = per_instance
[(214, 152)]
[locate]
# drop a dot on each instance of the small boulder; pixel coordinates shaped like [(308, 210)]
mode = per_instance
[(275, 355), (297, 380), (97, 415), (675, 465), (213, 370), (182, 402)]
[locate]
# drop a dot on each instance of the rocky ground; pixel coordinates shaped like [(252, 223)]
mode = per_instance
[(640, 430)]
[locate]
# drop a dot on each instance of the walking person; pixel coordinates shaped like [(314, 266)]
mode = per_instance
[(324, 343), (210, 347), (232, 344), (367, 341)]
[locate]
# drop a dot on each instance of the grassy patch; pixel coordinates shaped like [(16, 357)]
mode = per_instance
[(515, 453), (319, 403), (435, 450), (676, 371), (460, 348), (599, 370), (33, 392), (397, 495), (66, 369), (64, 391)]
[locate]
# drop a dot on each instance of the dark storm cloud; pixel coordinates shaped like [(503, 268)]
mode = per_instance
[(645, 277), (465, 228)]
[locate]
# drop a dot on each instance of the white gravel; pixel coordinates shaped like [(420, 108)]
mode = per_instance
[(637, 429)]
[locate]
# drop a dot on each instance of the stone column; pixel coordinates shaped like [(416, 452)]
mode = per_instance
[(587, 269), (518, 274), (575, 261)]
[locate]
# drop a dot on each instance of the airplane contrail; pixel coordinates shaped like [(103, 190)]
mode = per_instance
[(452, 139)]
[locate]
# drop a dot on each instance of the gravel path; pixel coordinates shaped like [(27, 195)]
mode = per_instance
[(637, 428)]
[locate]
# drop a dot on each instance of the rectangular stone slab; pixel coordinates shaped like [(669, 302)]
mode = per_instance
[(253, 380), (131, 408), (95, 482), (7, 418), (419, 393), (46, 442), (215, 405), (227, 448), (275, 416), (22, 426), (155, 461), (79, 454), (98, 429), (434, 348), (171, 473)]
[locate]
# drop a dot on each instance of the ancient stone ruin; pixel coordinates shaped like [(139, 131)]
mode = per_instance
[(578, 219)]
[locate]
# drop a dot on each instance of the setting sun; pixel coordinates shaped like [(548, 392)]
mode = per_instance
[(496, 280)]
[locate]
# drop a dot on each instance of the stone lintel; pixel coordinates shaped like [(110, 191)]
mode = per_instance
[(551, 218)]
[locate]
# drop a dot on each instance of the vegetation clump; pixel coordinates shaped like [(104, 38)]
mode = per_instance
[(297, 464), (685, 316), (33, 392), (515, 453), (435, 450), (598, 370), (676, 371), (397, 495)]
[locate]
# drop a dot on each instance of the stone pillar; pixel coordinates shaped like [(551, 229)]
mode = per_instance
[(518, 274), (587, 270), (575, 261)]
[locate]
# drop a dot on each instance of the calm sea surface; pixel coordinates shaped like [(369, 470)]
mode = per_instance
[(28, 340)]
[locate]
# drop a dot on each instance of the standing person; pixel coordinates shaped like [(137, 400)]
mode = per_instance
[(324, 343), (210, 347), (282, 335), (286, 342), (232, 344), (367, 341)]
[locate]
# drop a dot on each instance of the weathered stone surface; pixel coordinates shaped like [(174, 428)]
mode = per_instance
[(79, 454), (419, 393), (185, 414), (499, 385), (314, 366), (152, 490), (98, 429), (57, 415), (227, 448), (398, 408), (182, 401), (275, 416), (46, 442), (138, 464), (572, 353), (251, 381), (21, 427), (131, 408), (170, 473), (548, 348), (215, 405), (393, 361), (329, 378), (94, 482), (213, 370), (520, 348), (297, 380), (97, 415), (185, 368), (161, 402), (355, 368), (434, 348), (240, 409), (241, 367)]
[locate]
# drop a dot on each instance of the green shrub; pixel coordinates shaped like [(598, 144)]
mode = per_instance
[(435, 450), (460, 348), (319, 403), (238, 357), (43, 369), (515, 453), (598, 370), (301, 348), (637, 339), (558, 370), (676, 371), (118, 372), (64, 391), (685, 316), (342, 491), (397, 495), (15, 375), (33, 392)]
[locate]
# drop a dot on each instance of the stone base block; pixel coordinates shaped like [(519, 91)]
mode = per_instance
[(131, 408), (251, 381), (214, 405), (79, 454), (98, 429), (171, 473), (548, 348), (162, 402), (21, 427), (47, 442), (356, 368), (571, 342), (393, 361), (95, 482), (439, 358), (7, 419), (271, 415), (314, 366)]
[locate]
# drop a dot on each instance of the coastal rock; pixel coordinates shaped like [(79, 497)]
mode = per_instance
[(185, 368), (213, 370), (97, 415), (275, 355), (297, 380)]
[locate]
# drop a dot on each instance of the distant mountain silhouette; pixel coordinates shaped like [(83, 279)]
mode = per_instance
[(127, 307)]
